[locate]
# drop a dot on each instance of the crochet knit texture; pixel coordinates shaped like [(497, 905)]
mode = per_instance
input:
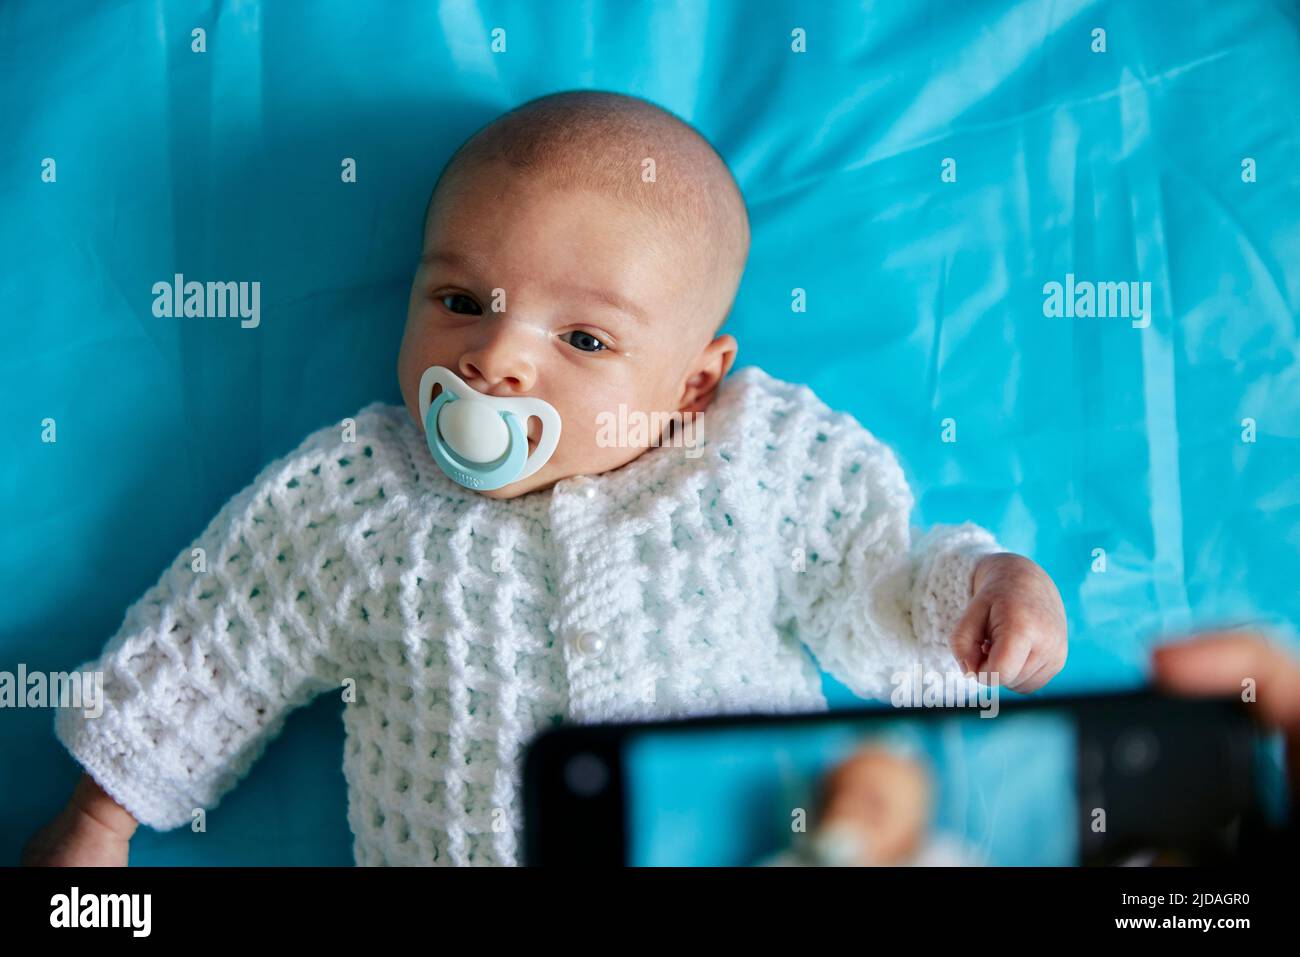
[(686, 582)]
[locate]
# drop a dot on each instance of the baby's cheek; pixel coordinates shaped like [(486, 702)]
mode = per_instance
[(586, 452)]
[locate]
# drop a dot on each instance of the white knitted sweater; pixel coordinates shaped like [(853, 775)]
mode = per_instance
[(463, 625)]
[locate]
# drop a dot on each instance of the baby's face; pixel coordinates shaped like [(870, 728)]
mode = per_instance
[(884, 798), (595, 309)]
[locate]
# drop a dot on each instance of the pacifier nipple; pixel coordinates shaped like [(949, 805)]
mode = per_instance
[(474, 430)]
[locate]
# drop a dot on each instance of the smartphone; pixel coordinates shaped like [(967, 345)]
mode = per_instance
[(1137, 778)]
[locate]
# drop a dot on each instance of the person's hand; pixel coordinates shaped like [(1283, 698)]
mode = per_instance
[(1014, 627), (92, 830), (1220, 662)]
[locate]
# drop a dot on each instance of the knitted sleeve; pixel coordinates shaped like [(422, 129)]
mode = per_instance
[(871, 596), (242, 627)]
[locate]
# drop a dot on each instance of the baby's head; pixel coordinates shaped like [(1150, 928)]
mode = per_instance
[(878, 803), (584, 248)]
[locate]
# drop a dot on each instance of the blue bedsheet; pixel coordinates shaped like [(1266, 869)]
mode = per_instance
[(923, 170)]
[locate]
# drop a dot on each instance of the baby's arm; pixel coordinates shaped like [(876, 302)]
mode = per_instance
[(871, 596), (245, 625)]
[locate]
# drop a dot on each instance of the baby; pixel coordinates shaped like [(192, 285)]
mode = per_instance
[(874, 811), (580, 254)]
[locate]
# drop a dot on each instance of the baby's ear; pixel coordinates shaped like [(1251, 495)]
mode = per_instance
[(711, 368), (701, 401)]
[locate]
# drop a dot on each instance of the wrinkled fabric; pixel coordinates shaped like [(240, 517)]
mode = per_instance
[(1074, 439)]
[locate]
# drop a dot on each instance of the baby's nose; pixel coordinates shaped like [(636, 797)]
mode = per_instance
[(502, 359), (498, 371)]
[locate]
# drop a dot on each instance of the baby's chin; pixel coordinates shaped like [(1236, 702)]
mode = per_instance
[(538, 482), (558, 470)]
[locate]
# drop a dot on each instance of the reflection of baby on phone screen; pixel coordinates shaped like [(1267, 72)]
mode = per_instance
[(874, 810)]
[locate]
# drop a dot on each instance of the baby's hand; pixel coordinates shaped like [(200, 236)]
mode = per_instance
[(68, 841), (1014, 625), (92, 830)]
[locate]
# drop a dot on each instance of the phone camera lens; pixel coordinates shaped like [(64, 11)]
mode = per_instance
[(586, 775), (1136, 751)]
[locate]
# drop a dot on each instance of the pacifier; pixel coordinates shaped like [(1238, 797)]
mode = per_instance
[(837, 844), (481, 441)]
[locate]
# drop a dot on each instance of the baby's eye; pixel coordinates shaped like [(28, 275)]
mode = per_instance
[(585, 341), (450, 298)]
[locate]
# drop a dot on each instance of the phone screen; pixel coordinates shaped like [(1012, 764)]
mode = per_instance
[(1137, 779), (892, 792)]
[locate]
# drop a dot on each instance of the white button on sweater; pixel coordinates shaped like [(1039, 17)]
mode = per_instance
[(685, 584)]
